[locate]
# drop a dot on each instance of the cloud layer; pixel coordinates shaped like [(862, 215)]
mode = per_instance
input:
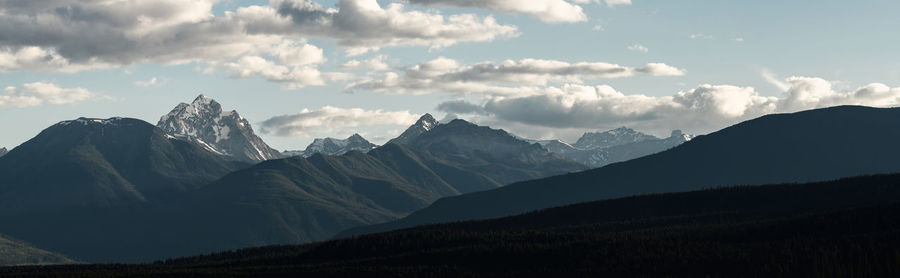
[(703, 109), (523, 77), (43, 93), (77, 35), (328, 120)]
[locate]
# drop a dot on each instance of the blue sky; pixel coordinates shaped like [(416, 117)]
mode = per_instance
[(816, 53)]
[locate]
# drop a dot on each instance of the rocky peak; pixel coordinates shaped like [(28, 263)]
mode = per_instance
[(424, 124), (204, 122), (610, 138), (333, 146)]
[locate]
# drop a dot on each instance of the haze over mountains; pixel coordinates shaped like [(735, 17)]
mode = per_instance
[(811, 145)]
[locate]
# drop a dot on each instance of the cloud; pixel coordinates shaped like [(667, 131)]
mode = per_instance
[(75, 35), (41, 93), (154, 81), (522, 77), (598, 27), (639, 48), (328, 119), (613, 3), (554, 11), (363, 25), (700, 36), (700, 110), (375, 64)]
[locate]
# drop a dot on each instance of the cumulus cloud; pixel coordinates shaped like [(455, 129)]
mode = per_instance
[(699, 110), (363, 25), (154, 81), (613, 3), (639, 48), (375, 64), (328, 119), (522, 77), (76, 35), (546, 10), (41, 93)]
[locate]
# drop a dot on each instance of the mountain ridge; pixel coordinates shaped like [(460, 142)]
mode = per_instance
[(706, 161)]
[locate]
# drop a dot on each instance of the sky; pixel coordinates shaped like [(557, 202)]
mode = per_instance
[(542, 69)]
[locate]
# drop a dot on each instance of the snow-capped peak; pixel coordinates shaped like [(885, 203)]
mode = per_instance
[(424, 124), (226, 132)]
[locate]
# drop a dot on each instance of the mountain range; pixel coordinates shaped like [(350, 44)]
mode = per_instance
[(333, 146), (120, 185), (597, 149), (223, 132), (812, 145)]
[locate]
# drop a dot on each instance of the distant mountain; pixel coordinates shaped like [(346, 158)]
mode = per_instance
[(610, 149), (227, 133), (16, 252), (332, 146), (424, 124), (812, 145), (3, 151), (102, 163), (847, 227), (492, 152), (611, 138)]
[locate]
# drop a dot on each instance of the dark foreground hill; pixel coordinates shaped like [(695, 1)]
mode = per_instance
[(812, 145), (843, 228)]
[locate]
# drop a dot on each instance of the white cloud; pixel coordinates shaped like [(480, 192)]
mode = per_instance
[(598, 27), (377, 64), (739, 39), (154, 81), (700, 110), (700, 36), (639, 48), (41, 93), (613, 3), (554, 11), (328, 119), (363, 25), (294, 76), (75, 35), (522, 77)]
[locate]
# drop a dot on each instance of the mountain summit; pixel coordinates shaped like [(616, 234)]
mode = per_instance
[(333, 146), (424, 124), (611, 138), (226, 133)]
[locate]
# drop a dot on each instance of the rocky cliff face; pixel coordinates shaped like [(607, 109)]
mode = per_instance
[(223, 132)]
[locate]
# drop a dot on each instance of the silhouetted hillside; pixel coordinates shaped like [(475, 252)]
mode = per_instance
[(843, 228), (806, 146)]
